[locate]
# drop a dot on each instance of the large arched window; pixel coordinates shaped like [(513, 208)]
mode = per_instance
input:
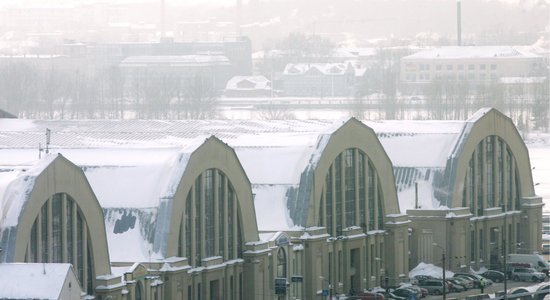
[(60, 235), (352, 195), (211, 223), (492, 178)]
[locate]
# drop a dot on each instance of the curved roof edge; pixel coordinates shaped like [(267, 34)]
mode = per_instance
[(168, 216), (472, 133), (32, 188)]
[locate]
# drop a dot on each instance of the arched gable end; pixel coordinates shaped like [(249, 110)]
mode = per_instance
[(212, 154), (490, 122), (354, 134), (62, 176)]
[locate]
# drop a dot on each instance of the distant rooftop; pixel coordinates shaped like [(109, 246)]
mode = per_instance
[(461, 52)]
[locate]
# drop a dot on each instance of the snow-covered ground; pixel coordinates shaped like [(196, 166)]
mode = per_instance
[(539, 153)]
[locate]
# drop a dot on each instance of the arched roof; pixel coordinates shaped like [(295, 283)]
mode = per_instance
[(212, 154), (136, 169), (484, 123), (435, 154), (31, 186), (351, 134)]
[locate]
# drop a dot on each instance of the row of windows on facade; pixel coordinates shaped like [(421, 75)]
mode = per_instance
[(60, 235), (352, 195), (492, 178), (450, 76), (448, 67), (211, 217), (479, 251)]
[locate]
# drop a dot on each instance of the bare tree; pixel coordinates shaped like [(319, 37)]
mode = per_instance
[(199, 98)]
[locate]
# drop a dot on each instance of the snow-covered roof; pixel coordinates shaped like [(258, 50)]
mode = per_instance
[(145, 160), (472, 52), (174, 61), (419, 151), (32, 281), (16, 182), (248, 83), (522, 80), (322, 68)]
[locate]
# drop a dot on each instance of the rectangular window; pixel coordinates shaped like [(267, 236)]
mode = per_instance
[(80, 246), (493, 67), (69, 230), (33, 257), (57, 232), (449, 67), (460, 67), (471, 67), (371, 200), (362, 192), (489, 156), (209, 213), (480, 177), (328, 199), (438, 67), (188, 226), (481, 248), (221, 213), (44, 233), (230, 223), (198, 217), (482, 67), (338, 191), (340, 265), (472, 245), (350, 186)]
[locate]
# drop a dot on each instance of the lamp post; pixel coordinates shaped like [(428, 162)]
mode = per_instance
[(329, 286), (382, 271), (443, 263), (503, 250)]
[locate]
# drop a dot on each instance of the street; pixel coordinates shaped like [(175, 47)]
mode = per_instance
[(489, 290)]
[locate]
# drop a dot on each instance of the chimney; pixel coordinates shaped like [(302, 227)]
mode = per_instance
[(162, 20), (239, 16), (458, 24)]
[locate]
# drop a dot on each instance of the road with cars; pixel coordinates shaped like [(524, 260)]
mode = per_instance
[(489, 290)]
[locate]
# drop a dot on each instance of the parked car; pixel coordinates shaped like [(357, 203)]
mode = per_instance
[(456, 285), (512, 266), (434, 286), (464, 281), (420, 291), (537, 261), (420, 278), (526, 274), (476, 278), (370, 296), (495, 276), (407, 293)]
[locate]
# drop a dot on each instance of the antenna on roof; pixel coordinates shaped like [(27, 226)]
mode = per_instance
[(47, 149), (48, 134)]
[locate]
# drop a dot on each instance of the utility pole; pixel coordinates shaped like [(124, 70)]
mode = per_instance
[(443, 262)]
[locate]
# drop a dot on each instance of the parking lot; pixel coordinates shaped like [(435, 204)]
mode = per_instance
[(495, 287)]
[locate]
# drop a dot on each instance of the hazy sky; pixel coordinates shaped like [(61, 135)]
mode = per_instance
[(181, 2)]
